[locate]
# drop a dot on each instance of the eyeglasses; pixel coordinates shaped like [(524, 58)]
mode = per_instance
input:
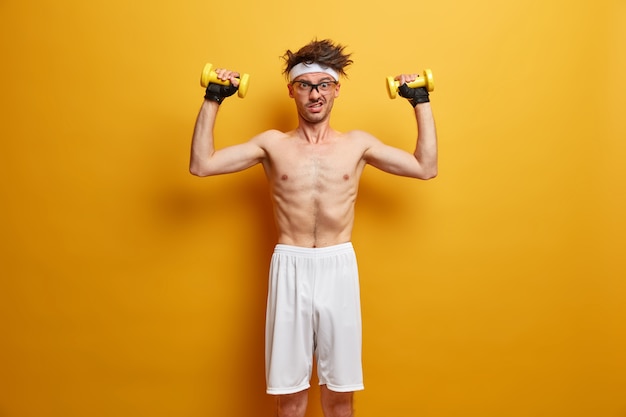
[(304, 87)]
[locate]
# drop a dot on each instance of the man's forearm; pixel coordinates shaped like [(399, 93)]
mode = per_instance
[(202, 144), (426, 148)]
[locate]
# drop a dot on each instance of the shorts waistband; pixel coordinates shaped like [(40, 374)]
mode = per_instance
[(314, 252)]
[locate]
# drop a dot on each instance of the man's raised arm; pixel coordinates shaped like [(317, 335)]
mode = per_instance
[(422, 163), (205, 160)]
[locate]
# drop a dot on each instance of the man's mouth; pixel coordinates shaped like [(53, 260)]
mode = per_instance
[(315, 105)]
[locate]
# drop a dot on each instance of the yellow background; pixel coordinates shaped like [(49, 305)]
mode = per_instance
[(130, 288)]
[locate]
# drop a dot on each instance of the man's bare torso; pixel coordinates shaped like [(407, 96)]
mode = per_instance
[(314, 186)]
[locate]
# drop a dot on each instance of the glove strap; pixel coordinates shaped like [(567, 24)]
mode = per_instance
[(212, 96)]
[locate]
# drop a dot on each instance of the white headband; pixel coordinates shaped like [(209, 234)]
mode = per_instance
[(304, 68)]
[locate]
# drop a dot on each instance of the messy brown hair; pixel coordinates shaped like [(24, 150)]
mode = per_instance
[(324, 52)]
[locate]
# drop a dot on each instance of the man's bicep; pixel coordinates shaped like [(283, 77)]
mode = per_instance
[(392, 160), (229, 159), (237, 157)]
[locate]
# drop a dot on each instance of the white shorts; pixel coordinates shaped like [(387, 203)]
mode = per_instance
[(313, 308)]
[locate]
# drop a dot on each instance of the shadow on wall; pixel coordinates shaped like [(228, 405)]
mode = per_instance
[(222, 200), (187, 211)]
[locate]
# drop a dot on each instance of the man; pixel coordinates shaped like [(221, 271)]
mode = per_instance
[(313, 173)]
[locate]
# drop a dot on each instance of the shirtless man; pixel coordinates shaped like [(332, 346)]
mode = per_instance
[(313, 173)]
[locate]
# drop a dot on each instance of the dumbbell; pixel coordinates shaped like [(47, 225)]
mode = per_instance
[(209, 76), (425, 81)]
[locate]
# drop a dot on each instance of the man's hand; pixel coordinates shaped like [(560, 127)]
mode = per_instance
[(218, 92), (414, 95)]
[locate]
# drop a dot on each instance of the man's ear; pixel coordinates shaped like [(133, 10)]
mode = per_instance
[(290, 88), (337, 90)]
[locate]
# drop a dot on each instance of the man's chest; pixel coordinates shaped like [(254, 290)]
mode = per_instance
[(315, 162)]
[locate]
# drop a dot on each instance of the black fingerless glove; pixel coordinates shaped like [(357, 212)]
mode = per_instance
[(415, 95), (218, 92)]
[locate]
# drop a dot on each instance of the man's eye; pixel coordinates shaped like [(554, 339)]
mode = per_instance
[(303, 85), (324, 86)]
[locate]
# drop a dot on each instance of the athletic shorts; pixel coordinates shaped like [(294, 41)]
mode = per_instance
[(313, 309)]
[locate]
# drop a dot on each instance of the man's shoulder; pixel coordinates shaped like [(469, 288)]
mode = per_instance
[(271, 134), (360, 136)]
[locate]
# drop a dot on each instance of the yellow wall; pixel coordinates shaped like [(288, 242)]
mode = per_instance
[(130, 288)]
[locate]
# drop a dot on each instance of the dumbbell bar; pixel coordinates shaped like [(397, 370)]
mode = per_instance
[(209, 76), (425, 81)]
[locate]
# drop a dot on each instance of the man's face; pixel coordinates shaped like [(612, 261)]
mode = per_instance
[(314, 95)]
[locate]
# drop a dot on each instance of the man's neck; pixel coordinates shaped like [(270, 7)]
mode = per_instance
[(315, 132)]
